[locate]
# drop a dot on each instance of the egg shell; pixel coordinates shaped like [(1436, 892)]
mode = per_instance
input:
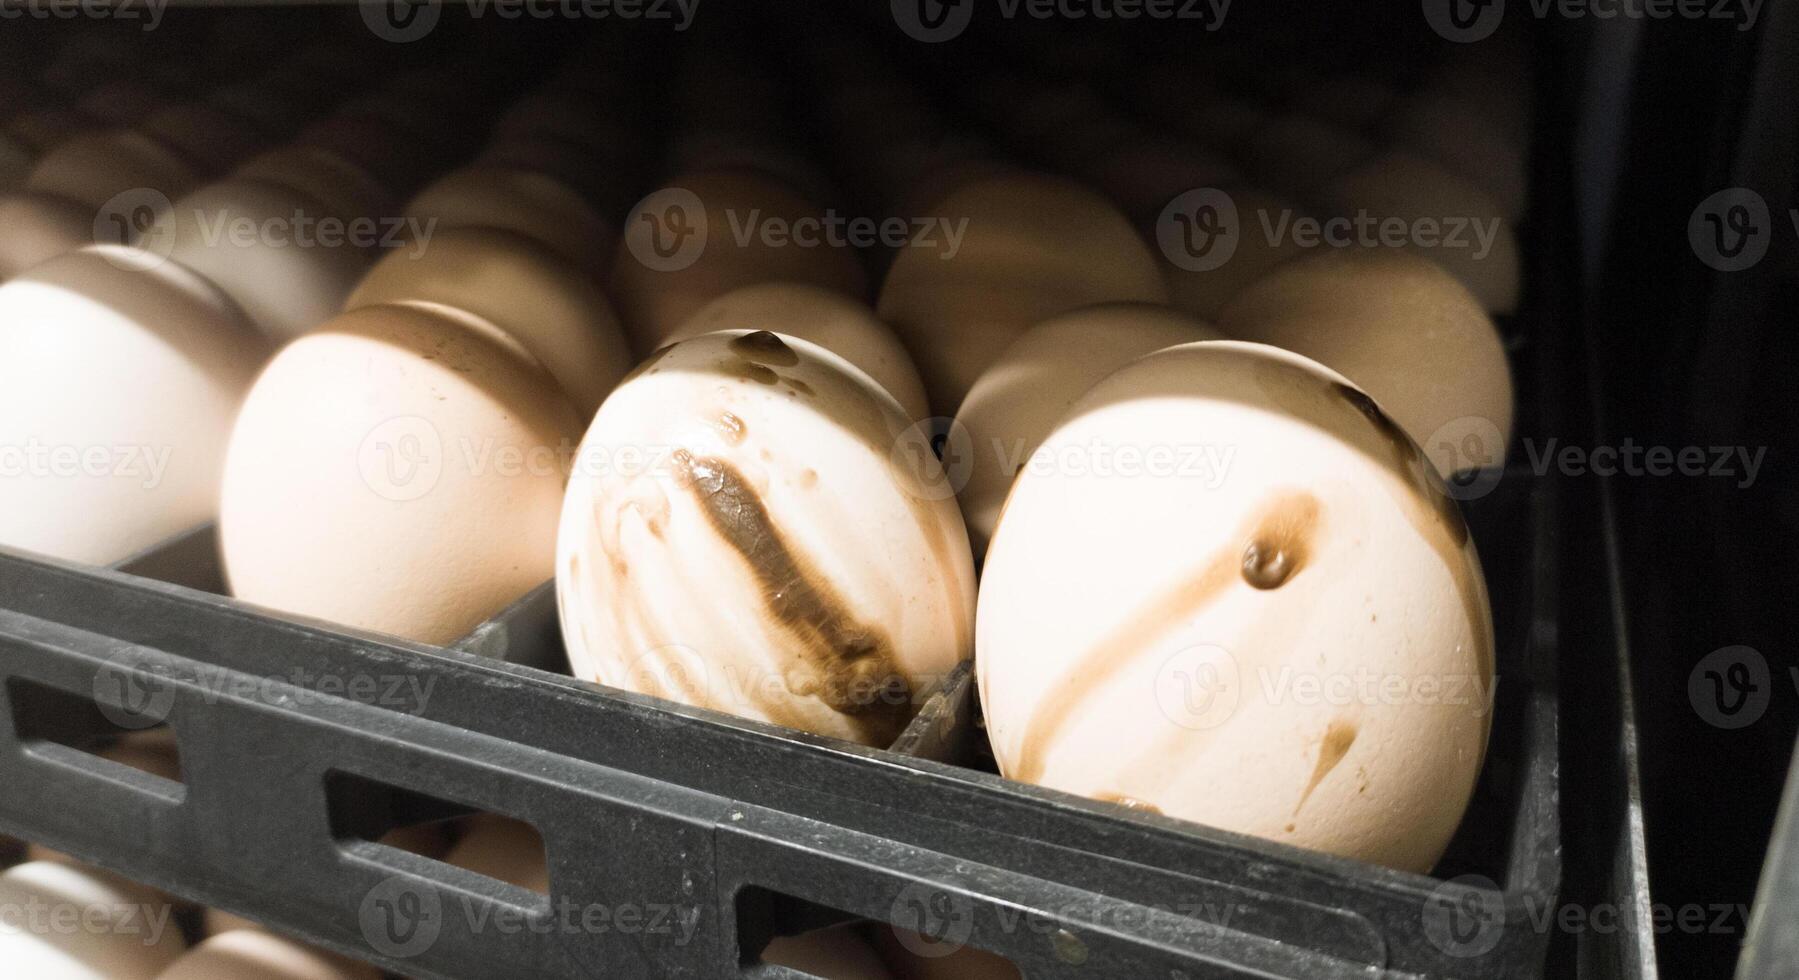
[(1019, 400), (103, 349), (346, 190), (1297, 153), (1319, 547), (253, 954), (838, 323), (838, 952), (361, 443), (755, 527), (531, 204), (1205, 292), (502, 848), (1451, 130), (521, 288), (1398, 184), (1031, 246), (912, 956), (93, 168), (212, 139), (655, 299), (246, 237), (1401, 329), (129, 935), (40, 227)]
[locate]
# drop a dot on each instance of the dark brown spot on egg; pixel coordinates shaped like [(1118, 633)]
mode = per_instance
[(751, 372), (846, 663), (1282, 542), (763, 347), (799, 387)]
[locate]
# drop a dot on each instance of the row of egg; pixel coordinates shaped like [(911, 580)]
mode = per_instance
[(129, 931), (785, 521)]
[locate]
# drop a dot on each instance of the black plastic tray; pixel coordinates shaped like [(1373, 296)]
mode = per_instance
[(729, 830)]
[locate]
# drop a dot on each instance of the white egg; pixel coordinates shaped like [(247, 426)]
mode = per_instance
[(1404, 331), (126, 932), (705, 234), (1468, 234), (1291, 642), (1004, 253), (252, 954), (838, 323), (94, 168), (521, 288), (397, 471), (280, 254), (530, 204), (118, 381), (1019, 400), (755, 527)]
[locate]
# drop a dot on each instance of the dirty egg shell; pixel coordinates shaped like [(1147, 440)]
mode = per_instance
[(395, 471), (840, 324), (104, 348), (755, 527), (1403, 330), (1018, 402), (1141, 638)]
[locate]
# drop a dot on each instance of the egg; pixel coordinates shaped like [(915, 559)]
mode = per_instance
[(123, 931), (530, 204), (279, 253), (834, 953), (913, 956), (210, 138), (93, 168), (1452, 131), (395, 471), (755, 527), (1263, 223), (842, 325), (519, 287), (1293, 642), (346, 190), (1404, 331), (40, 227), (705, 234), (1005, 253), (504, 849), (1297, 153), (118, 381), (1471, 239), (252, 954), (1019, 400)]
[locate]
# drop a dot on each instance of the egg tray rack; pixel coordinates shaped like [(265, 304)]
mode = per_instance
[(727, 830)]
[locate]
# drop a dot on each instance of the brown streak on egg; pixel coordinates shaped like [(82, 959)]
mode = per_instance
[(1295, 514), (852, 662), (763, 347), (1338, 738)]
